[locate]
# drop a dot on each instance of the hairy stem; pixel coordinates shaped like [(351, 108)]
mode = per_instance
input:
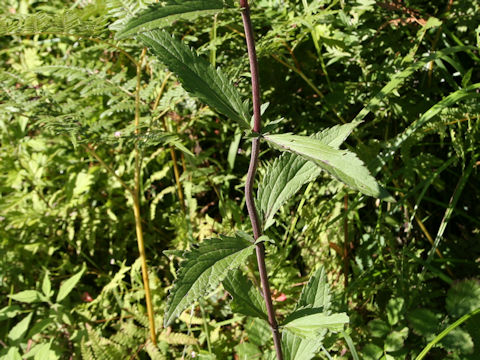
[(252, 211)]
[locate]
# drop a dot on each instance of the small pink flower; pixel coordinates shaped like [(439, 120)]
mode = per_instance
[(117, 134), (281, 297)]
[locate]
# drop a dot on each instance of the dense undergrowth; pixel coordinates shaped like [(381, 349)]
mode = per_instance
[(87, 121)]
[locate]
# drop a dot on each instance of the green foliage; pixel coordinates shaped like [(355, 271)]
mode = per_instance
[(197, 76), (166, 13), (203, 268)]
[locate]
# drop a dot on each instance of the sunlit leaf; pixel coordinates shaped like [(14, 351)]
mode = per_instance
[(164, 13), (68, 285), (197, 76), (203, 269)]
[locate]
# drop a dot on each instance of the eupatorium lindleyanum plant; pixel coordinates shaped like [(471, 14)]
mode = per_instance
[(206, 266)]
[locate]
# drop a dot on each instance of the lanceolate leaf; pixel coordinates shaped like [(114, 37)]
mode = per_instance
[(203, 269), (197, 76), (309, 325), (287, 174), (316, 293), (164, 13), (342, 164), (67, 286), (247, 299)]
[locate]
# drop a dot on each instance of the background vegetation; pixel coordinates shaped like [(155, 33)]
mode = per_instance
[(70, 278)]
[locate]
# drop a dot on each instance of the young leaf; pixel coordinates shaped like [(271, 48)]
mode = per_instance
[(46, 284), (197, 76), (308, 326), (247, 300), (316, 293), (287, 174), (164, 13), (342, 164), (204, 268), (68, 285)]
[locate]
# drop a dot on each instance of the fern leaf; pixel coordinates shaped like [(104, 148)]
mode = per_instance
[(177, 339), (166, 12), (197, 76), (204, 268)]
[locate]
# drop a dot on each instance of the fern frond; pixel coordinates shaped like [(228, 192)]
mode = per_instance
[(65, 23), (124, 10)]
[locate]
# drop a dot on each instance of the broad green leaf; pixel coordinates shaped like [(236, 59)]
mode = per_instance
[(164, 13), (28, 296), (342, 164), (395, 340), (197, 76), (203, 269), (68, 285), (394, 310), (287, 174), (423, 322), (12, 354), (309, 325), (463, 297), (20, 328), (247, 300), (316, 293), (458, 340), (298, 348)]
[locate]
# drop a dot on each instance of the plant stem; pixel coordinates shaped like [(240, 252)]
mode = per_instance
[(136, 208), (252, 211)]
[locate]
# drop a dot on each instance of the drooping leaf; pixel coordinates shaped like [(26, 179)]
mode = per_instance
[(68, 285), (247, 300), (316, 293), (342, 164), (287, 174), (298, 348), (164, 13), (197, 76), (312, 322), (203, 269)]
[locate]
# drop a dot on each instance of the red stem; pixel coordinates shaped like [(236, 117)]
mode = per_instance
[(252, 169)]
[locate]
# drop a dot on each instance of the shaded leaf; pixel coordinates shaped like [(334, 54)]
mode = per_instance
[(316, 293), (164, 13), (395, 340), (423, 321), (204, 268), (463, 297), (247, 300), (197, 76), (342, 164), (458, 340)]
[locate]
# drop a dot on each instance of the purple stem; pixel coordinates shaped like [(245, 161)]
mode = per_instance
[(252, 169)]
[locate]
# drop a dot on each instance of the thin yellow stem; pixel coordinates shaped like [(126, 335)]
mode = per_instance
[(136, 207)]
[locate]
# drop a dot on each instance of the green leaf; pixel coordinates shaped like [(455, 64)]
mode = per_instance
[(371, 352), (68, 285), (20, 328), (423, 322), (47, 285), (309, 325), (395, 340), (378, 328), (458, 340), (197, 76), (463, 297), (28, 296), (287, 174), (316, 293), (12, 354), (247, 300), (298, 348), (9, 312), (203, 269), (395, 308), (165, 13), (341, 164)]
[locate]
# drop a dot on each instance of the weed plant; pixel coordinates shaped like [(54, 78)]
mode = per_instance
[(109, 124)]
